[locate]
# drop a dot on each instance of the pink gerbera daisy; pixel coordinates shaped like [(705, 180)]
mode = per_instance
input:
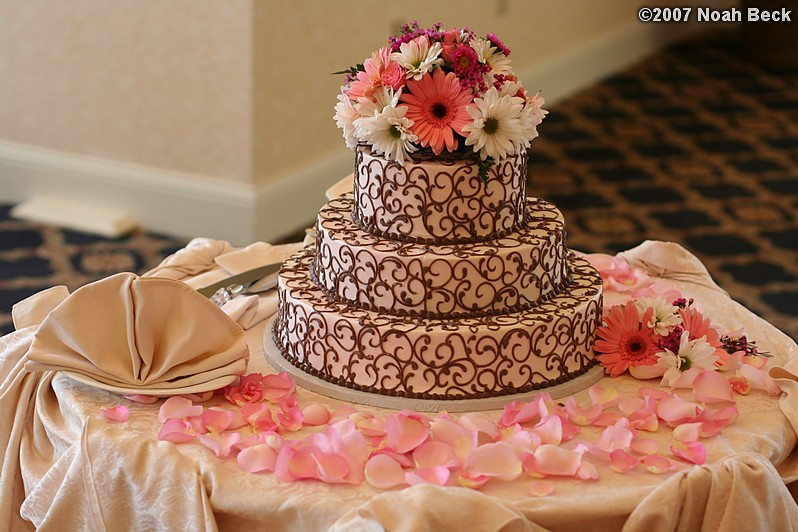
[(437, 106), (626, 340)]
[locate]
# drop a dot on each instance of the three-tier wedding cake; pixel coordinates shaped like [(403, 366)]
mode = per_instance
[(437, 279)]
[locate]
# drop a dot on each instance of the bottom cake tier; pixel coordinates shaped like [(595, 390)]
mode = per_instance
[(441, 359)]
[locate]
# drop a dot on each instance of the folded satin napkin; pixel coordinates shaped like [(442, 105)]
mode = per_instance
[(147, 335)]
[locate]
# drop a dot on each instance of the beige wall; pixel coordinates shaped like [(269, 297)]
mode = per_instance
[(236, 90), (164, 84)]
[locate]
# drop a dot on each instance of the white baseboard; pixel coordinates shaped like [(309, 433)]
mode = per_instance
[(191, 205), (170, 202)]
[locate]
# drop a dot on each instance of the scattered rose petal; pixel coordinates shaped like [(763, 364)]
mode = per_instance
[(403, 460), (372, 426), (674, 410), (216, 420), (176, 431), (582, 416), (656, 463), (258, 416), (291, 420), (220, 444), (177, 407), (277, 387), (460, 438), (617, 436), (550, 430), (623, 461), (687, 432), (647, 372), (384, 472), (587, 471), (116, 413), (430, 475), (541, 488), (554, 460), (693, 452), (141, 398), (755, 361), (477, 422), (342, 412), (519, 412), (740, 385), (603, 396), (607, 418), (468, 481), (405, 431), (686, 379), (644, 446), (257, 458), (493, 460), (198, 397), (759, 379), (315, 415), (712, 387), (434, 454)]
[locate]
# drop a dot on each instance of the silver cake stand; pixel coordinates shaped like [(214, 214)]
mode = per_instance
[(275, 357)]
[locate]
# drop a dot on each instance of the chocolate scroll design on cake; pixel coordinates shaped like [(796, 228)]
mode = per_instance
[(438, 200), (508, 274), (473, 357)]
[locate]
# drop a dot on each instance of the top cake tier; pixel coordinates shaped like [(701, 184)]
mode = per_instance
[(438, 200)]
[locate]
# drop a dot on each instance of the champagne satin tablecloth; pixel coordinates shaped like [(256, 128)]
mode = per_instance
[(67, 468)]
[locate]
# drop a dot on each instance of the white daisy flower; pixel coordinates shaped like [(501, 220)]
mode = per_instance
[(489, 54), (496, 130), (692, 354), (345, 116), (665, 315), (388, 132), (418, 57)]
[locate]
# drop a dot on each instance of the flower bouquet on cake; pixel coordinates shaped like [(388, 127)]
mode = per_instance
[(447, 91)]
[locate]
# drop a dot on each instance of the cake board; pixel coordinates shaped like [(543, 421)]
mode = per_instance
[(275, 357)]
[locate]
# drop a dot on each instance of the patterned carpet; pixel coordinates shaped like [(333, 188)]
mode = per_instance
[(693, 146)]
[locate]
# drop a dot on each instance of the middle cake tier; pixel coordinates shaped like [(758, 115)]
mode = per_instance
[(508, 274)]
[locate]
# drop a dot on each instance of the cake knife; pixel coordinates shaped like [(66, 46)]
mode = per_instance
[(243, 278)]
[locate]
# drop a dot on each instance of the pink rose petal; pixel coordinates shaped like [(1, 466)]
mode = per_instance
[(277, 387), (216, 420), (647, 372), (587, 471), (467, 481), (384, 472), (198, 397), (176, 431), (615, 437), (315, 415), (712, 387), (740, 385), (674, 410), (177, 407), (622, 461), (553, 460), (438, 476), (372, 426), (603, 396), (755, 361), (549, 428), (258, 416), (405, 431), (460, 438), (332, 468), (118, 413), (607, 418), (404, 460), (656, 463), (290, 421), (541, 488), (759, 379), (257, 458), (496, 460), (582, 416), (693, 452), (476, 422), (220, 444), (141, 398), (644, 446), (519, 412), (687, 432), (342, 412), (434, 454)]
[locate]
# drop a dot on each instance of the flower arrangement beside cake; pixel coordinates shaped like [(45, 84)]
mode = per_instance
[(436, 283)]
